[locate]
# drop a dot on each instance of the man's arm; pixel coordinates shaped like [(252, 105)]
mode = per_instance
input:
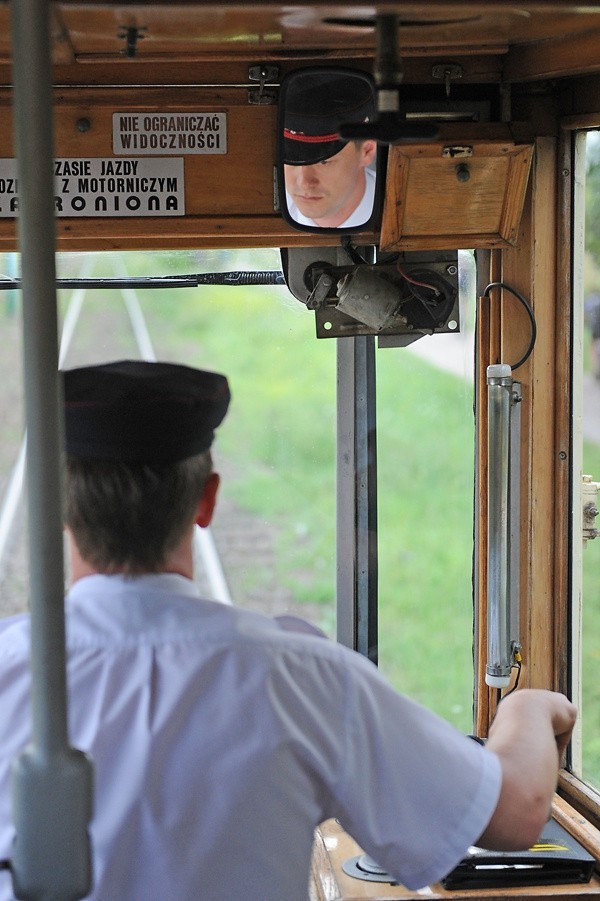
[(529, 734)]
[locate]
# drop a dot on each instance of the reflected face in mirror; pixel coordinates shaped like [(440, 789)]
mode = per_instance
[(336, 192), (329, 182)]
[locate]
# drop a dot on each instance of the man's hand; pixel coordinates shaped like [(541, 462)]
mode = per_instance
[(530, 733)]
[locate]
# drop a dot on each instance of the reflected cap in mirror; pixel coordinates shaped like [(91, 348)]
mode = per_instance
[(316, 105), (142, 412)]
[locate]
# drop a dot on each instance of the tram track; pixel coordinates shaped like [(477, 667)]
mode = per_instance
[(239, 553)]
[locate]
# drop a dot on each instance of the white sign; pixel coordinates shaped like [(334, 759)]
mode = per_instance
[(105, 187), (169, 133)]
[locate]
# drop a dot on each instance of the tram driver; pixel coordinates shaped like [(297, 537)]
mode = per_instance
[(220, 739), (329, 182)]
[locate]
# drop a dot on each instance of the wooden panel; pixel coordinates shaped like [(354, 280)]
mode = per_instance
[(582, 797), (563, 413), (239, 181), (541, 39), (567, 55), (487, 351), (530, 268), (170, 29), (229, 197), (203, 233), (438, 28), (428, 205)]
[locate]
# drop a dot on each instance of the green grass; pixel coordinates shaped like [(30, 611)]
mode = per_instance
[(426, 526), (591, 639), (281, 451)]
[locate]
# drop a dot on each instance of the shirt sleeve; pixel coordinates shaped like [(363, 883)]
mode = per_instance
[(415, 792)]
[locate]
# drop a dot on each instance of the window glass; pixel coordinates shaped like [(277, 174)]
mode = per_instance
[(13, 587), (272, 538), (425, 444), (590, 386), (273, 532)]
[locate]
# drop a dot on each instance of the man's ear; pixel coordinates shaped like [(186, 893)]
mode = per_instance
[(206, 504), (369, 148)]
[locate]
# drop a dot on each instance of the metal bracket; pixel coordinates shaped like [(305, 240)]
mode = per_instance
[(448, 72), (457, 151), (264, 75), (131, 34), (589, 503)]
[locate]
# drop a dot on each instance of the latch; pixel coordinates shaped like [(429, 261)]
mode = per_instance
[(448, 72), (264, 75), (589, 502), (457, 151), (131, 34)]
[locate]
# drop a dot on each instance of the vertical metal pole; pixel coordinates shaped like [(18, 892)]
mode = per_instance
[(33, 118), (51, 782), (357, 496)]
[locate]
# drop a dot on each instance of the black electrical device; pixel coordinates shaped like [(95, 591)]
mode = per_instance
[(407, 294)]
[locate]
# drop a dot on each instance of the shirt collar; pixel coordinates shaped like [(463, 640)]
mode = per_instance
[(118, 583)]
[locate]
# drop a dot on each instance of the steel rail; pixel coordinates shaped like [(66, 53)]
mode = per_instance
[(205, 551), (204, 546)]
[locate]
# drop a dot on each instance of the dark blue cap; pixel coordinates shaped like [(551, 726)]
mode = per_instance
[(316, 105), (143, 412)]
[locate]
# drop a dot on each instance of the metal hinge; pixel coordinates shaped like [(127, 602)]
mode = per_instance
[(265, 75)]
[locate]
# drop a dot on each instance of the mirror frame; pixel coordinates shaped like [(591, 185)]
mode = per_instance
[(374, 219)]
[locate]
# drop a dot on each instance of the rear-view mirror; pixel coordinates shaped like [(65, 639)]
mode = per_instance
[(326, 183)]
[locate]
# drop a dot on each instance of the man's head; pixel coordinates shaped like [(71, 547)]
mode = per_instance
[(324, 175), (328, 192), (139, 469)]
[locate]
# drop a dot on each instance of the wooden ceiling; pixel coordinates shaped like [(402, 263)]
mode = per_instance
[(531, 40)]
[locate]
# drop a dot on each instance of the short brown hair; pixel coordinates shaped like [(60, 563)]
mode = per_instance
[(127, 517)]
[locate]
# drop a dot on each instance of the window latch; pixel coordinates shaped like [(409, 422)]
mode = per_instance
[(589, 501)]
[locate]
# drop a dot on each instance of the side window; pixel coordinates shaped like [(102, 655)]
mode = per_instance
[(586, 456), (425, 441)]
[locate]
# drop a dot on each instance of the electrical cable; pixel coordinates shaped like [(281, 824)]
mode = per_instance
[(415, 282), (355, 256), (516, 666), (529, 311)]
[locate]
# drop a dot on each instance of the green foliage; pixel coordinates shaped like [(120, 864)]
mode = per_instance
[(425, 437), (279, 437), (279, 444), (592, 197), (591, 639)]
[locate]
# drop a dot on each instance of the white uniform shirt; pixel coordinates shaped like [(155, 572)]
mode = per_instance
[(220, 741), (357, 219)]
